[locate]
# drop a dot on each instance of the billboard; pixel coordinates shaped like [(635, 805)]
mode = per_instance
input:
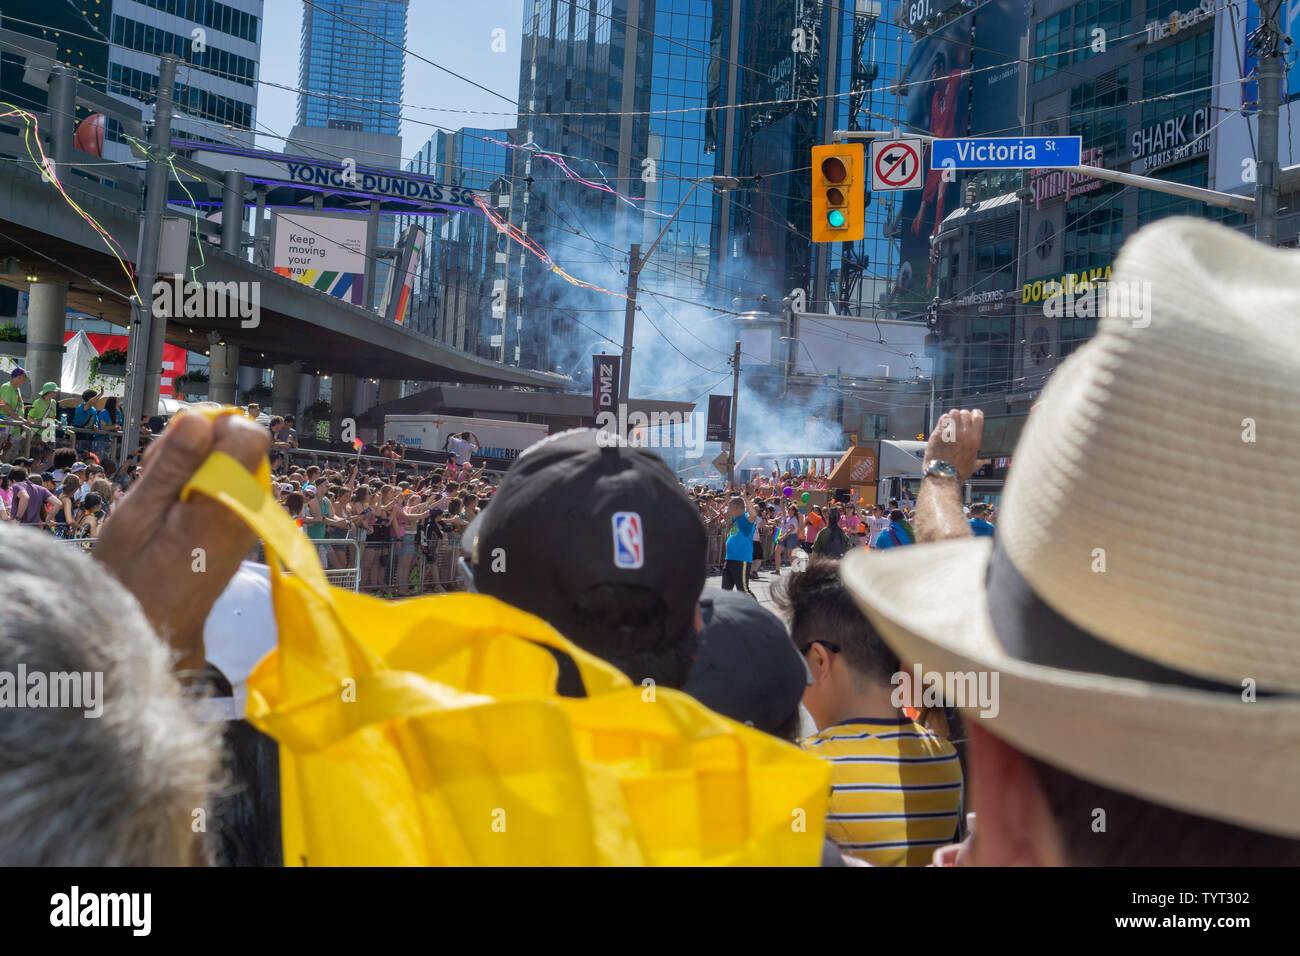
[(326, 251), (397, 299), (604, 383), (936, 82), (999, 30)]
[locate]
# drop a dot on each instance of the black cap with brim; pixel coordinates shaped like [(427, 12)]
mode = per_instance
[(747, 667), (579, 510)]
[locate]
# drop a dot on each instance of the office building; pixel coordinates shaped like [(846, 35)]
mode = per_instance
[(352, 65)]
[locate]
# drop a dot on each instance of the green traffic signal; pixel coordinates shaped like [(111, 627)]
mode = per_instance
[(835, 218)]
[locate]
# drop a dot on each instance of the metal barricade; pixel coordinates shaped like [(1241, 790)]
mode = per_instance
[(340, 560)]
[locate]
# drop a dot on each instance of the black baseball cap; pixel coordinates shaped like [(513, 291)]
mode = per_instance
[(580, 510), (747, 668)]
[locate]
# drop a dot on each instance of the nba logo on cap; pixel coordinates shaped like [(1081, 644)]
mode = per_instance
[(629, 543)]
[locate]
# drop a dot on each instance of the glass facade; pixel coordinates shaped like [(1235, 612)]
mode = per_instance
[(808, 66), (354, 79), (1067, 37), (216, 83), (462, 281)]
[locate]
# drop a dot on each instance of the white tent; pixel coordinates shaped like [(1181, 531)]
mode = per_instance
[(75, 377)]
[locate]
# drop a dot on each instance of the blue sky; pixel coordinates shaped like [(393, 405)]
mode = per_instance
[(457, 35)]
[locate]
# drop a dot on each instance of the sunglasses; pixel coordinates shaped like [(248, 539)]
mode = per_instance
[(834, 648)]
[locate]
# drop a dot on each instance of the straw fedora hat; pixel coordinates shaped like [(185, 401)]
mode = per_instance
[(1142, 641)]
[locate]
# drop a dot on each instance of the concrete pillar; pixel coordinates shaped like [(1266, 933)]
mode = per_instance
[(390, 390), (223, 371), (47, 311), (248, 378), (284, 389), (343, 399)]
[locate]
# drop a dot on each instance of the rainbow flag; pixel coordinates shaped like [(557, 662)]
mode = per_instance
[(358, 445)]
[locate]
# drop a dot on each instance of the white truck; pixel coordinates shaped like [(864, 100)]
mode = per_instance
[(498, 441)]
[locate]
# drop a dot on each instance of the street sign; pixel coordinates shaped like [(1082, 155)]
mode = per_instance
[(1011, 152), (721, 462), (896, 164)]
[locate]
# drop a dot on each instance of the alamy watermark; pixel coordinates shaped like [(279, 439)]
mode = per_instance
[(78, 690), (175, 298), (1099, 298), (971, 690), (653, 430)]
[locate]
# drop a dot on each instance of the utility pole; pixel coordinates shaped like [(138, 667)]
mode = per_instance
[(629, 323), (735, 397), (144, 368), (1267, 41)]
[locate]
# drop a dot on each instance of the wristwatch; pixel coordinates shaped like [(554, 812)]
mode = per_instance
[(942, 469)]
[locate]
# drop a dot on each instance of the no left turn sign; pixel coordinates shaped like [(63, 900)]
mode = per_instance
[(896, 164)]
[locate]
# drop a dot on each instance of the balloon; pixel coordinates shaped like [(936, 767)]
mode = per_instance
[(788, 491), (805, 497)]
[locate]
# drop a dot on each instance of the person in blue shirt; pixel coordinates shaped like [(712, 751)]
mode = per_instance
[(740, 545), (109, 420), (85, 415), (979, 526), (897, 534)]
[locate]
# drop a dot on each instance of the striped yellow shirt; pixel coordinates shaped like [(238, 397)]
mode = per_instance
[(896, 789)]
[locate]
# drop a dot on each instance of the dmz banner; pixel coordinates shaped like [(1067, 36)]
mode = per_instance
[(719, 422), (604, 383)]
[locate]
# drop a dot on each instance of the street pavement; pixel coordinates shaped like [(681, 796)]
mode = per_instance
[(761, 587)]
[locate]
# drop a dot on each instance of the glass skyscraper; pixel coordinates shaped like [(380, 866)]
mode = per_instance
[(648, 97), (354, 78)]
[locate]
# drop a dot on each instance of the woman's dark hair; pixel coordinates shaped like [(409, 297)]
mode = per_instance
[(110, 405), (92, 500)]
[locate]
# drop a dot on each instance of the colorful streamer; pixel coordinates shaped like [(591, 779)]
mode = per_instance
[(513, 232), (47, 167), (558, 159)]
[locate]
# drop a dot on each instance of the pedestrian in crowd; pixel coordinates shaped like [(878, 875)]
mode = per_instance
[(898, 534), (1127, 690), (739, 528), (787, 535), (31, 499), (979, 525), (11, 396), (63, 516), (461, 446), (85, 416), (832, 541), (813, 524), (602, 543), (896, 788)]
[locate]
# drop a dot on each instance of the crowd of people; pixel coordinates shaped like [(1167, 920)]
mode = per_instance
[(1121, 679)]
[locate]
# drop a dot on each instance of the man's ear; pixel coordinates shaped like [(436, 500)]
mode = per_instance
[(1014, 822), (819, 662)]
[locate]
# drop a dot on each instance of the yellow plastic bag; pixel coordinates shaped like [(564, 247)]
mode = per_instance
[(429, 732)]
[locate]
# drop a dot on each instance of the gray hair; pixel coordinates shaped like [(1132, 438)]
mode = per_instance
[(120, 789)]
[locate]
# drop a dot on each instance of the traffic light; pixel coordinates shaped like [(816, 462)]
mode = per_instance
[(838, 178)]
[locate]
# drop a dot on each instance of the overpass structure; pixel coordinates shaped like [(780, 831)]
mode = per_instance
[(48, 249)]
